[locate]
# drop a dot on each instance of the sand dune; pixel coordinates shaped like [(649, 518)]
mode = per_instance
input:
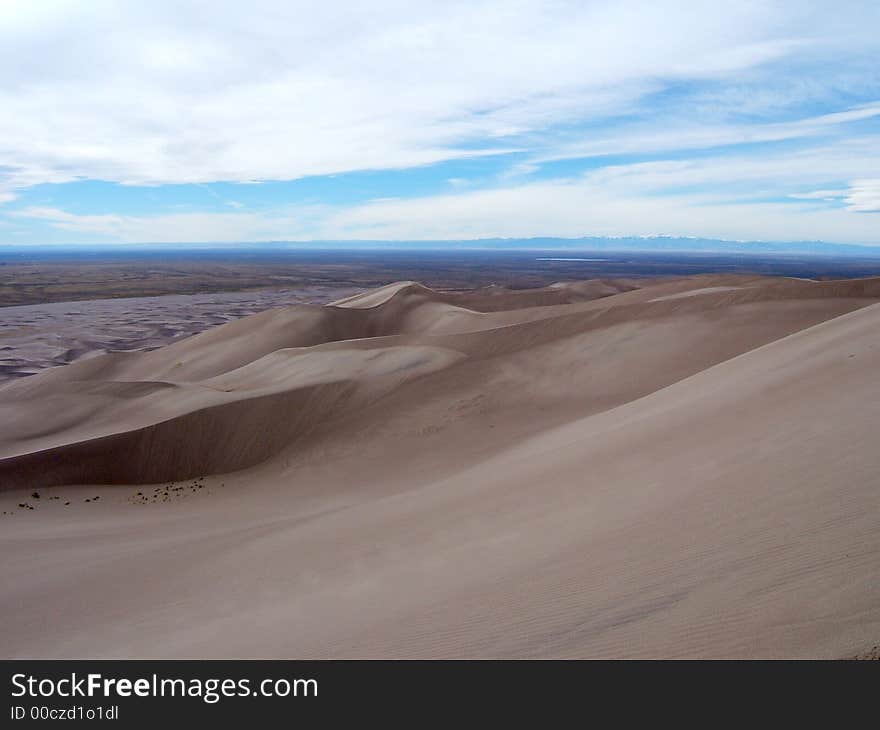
[(37, 336), (627, 468)]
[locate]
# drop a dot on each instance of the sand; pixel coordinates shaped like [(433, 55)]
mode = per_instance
[(586, 470), (37, 336)]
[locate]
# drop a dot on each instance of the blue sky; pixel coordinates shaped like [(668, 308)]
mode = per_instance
[(125, 122)]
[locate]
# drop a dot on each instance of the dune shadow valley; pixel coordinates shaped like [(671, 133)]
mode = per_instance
[(674, 466)]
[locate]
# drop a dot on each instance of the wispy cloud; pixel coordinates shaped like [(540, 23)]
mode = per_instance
[(654, 115), (646, 138), (864, 196), (623, 203), (827, 195), (119, 92)]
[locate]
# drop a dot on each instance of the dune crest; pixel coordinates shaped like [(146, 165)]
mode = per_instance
[(669, 467)]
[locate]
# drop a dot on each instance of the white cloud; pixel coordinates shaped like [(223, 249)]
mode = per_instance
[(730, 177), (864, 196), (195, 92), (582, 207), (719, 196), (168, 228), (187, 92), (611, 203), (685, 136), (826, 195), (102, 224)]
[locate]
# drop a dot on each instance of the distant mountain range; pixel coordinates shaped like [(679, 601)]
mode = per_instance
[(585, 244), (705, 245), (599, 243), (627, 243)]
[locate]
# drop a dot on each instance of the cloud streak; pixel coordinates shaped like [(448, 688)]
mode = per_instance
[(184, 93), (864, 196), (117, 92)]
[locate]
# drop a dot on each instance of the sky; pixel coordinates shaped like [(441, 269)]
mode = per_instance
[(220, 121)]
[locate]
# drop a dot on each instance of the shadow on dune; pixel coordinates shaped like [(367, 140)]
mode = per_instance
[(237, 395)]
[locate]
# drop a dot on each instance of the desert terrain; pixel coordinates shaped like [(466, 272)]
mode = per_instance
[(627, 467), (38, 336), (41, 276)]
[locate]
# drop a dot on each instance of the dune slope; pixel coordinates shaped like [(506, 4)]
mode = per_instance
[(680, 469)]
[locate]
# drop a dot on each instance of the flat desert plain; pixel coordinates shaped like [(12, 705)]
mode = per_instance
[(685, 467)]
